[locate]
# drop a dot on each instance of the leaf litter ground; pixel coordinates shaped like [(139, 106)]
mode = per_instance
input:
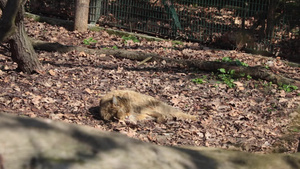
[(254, 116)]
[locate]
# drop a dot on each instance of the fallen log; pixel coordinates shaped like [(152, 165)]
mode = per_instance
[(257, 72)]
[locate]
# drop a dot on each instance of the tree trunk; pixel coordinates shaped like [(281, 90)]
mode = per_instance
[(9, 13), (23, 53), (81, 15), (21, 48)]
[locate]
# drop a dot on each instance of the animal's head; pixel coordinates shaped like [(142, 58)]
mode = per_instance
[(120, 107)]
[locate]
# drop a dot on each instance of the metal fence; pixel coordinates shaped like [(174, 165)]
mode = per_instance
[(267, 22), (198, 20)]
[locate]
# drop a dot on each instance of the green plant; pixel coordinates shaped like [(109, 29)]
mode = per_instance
[(114, 47), (227, 80), (227, 77), (198, 80), (177, 42), (296, 130), (267, 84), (89, 41), (288, 88), (236, 61), (222, 70), (248, 76), (216, 86), (239, 63), (226, 59), (130, 37)]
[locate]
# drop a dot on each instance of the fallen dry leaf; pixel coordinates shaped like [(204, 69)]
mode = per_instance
[(52, 72)]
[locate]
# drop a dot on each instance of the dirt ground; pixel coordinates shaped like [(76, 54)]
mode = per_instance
[(253, 116)]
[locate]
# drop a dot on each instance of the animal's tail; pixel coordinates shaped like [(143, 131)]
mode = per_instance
[(181, 115)]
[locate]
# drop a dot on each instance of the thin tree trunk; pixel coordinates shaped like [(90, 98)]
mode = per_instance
[(81, 15)]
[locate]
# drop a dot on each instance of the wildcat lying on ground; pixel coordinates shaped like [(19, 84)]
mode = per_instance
[(132, 106)]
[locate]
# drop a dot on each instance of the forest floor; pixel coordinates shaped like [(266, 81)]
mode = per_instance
[(254, 116)]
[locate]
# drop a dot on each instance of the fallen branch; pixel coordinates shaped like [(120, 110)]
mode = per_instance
[(257, 72)]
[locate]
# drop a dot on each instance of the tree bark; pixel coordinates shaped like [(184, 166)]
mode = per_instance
[(23, 53), (10, 10), (21, 48), (81, 15)]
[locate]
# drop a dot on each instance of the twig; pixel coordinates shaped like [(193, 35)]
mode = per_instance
[(145, 60)]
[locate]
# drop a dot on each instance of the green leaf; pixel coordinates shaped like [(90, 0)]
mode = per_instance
[(239, 63), (130, 37), (89, 41), (222, 70), (231, 72), (198, 81), (249, 77), (226, 59)]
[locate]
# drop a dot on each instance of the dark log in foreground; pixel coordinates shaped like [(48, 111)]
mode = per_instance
[(257, 72), (35, 143)]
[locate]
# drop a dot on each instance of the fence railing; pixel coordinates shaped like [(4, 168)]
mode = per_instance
[(260, 24)]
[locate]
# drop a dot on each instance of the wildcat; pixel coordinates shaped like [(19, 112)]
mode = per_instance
[(133, 106)]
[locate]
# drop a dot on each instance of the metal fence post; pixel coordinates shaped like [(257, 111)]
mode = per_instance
[(95, 11)]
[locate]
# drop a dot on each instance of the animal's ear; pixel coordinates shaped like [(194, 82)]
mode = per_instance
[(126, 95), (115, 100)]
